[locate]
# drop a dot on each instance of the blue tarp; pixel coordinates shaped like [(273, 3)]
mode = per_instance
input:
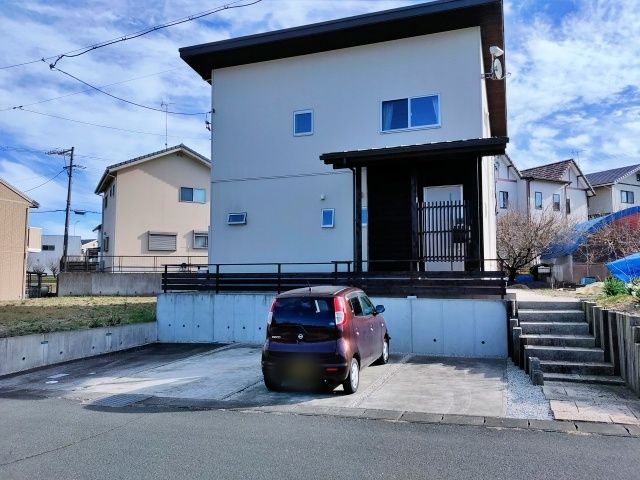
[(626, 269), (582, 231)]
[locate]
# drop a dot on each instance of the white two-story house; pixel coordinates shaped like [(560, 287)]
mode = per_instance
[(554, 187), (370, 139), (616, 189)]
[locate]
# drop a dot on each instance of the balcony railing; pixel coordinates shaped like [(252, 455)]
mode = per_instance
[(128, 263)]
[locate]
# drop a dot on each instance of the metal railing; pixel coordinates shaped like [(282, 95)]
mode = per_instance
[(128, 263), (278, 277)]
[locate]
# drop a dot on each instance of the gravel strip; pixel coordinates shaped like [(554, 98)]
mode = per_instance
[(524, 400)]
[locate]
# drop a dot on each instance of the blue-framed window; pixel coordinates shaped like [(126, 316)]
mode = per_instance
[(412, 112), (303, 123), (328, 217), (237, 218)]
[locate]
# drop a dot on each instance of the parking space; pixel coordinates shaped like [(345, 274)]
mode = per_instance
[(231, 374)]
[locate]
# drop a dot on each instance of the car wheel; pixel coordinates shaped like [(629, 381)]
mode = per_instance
[(271, 384), (353, 380), (384, 356)]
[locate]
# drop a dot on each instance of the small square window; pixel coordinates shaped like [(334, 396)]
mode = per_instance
[(237, 218), (48, 248), (627, 196), (328, 217), (504, 200), (193, 195), (365, 216), (186, 194), (200, 239), (538, 200), (395, 115), (303, 123), (556, 202)]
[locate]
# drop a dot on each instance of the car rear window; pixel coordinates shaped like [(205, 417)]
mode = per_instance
[(308, 311)]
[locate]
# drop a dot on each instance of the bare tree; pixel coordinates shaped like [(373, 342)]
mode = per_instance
[(35, 266), (522, 238), (615, 240), (54, 266)]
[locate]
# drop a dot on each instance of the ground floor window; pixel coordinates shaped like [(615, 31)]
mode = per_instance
[(200, 239), (627, 197), (503, 200)]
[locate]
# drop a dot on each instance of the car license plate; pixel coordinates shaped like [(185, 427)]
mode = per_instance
[(301, 371)]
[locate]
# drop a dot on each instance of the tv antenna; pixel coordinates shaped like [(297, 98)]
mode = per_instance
[(165, 105)]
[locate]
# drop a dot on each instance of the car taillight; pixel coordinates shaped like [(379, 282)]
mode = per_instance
[(338, 306), (271, 309)]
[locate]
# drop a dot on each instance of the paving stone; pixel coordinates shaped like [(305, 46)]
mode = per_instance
[(348, 412), (506, 422), (377, 414), (551, 426), (634, 430), (420, 417), (602, 429), (463, 420)]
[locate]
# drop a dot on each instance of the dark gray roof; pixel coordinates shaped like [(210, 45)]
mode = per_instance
[(554, 172), (608, 177), (117, 166)]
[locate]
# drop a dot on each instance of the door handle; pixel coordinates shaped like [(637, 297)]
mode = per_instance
[(371, 328), (357, 333)]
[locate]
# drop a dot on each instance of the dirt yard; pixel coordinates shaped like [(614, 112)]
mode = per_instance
[(41, 315)]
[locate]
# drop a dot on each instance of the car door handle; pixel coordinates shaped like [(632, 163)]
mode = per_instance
[(357, 333), (371, 328)]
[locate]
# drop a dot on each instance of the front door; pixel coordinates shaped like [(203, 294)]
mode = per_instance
[(443, 209)]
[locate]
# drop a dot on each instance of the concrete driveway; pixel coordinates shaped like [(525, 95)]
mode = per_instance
[(192, 375)]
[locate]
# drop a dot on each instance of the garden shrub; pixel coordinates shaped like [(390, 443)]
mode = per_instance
[(613, 286)]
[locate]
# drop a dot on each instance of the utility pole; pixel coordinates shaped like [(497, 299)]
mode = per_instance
[(69, 168)]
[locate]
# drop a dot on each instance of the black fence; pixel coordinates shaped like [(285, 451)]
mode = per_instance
[(279, 277), (444, 231)]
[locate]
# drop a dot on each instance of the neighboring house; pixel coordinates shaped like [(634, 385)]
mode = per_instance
[(51, 252), (341, 140), (90, 248), (16, 238), (156, 205), (617, 189), (558, 186)]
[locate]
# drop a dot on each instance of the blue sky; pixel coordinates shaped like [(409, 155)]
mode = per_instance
[(573, 90)]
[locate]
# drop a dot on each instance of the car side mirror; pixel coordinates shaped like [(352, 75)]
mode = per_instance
[(379, 309)]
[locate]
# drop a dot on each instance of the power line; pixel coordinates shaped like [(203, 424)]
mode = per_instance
[(44, 183), (43, 152), (110, 127), (64, 210), (125, 100), (88, 90), (81, 51)]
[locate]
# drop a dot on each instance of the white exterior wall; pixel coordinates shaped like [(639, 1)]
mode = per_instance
[(44, 257), (602, 203), (630, 184), (253, 137), (507, 180)]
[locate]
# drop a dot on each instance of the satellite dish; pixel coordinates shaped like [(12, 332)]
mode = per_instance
[(498, 73)]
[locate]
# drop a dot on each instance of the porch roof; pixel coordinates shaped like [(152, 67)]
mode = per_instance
[(480, 147)]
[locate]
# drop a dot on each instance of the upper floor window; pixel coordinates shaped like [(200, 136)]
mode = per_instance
[(303, 123), (638, 177), (48, 248), (328, 217), (503, 200), (538, 200), (556, 202), (414, 112), (194, 195), (627, 197), (237, 218)]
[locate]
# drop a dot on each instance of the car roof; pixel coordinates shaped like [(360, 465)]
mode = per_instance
[(322, 290)]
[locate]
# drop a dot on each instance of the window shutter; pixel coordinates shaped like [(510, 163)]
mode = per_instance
[(162, 242)]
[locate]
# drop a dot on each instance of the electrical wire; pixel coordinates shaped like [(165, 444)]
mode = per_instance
[(64, 210), (43, 184), (125, 100)]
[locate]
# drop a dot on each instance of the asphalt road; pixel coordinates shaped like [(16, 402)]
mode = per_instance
[(56, 438)]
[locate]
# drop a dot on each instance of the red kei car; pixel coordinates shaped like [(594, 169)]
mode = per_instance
[(324, 335)]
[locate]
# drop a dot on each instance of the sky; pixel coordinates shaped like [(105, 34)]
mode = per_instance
[(573, 87)]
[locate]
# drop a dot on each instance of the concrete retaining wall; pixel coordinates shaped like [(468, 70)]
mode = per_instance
[(32, 351), (618, 334), (465, 328), (81, 283)]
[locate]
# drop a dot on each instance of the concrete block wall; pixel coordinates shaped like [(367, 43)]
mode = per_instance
[(463, 328), (129, 284), (32, 351)]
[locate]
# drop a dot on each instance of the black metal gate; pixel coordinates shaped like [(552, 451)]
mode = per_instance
[(444, 231)]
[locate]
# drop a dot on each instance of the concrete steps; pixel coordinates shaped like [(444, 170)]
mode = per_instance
[(578, 378), (557, 340), (578, 368), (550, 306), (566, 316), (571, 354), (554, 328)]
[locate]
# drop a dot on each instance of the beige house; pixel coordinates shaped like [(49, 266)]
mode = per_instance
[(14, 240), (154, 207)]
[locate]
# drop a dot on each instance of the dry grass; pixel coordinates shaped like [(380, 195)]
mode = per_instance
[(593, 293), (41, 315)]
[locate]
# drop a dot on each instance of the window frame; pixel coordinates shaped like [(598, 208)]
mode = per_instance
[(556, 205), (333, 218), (105, 243), (234, 222), (200, 233), (409, 128), (535, 200), (193, 190), (300, 112), (505, 197), (46, 249), (638, 177), (630, 197), (162, 234), (364, 215)]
